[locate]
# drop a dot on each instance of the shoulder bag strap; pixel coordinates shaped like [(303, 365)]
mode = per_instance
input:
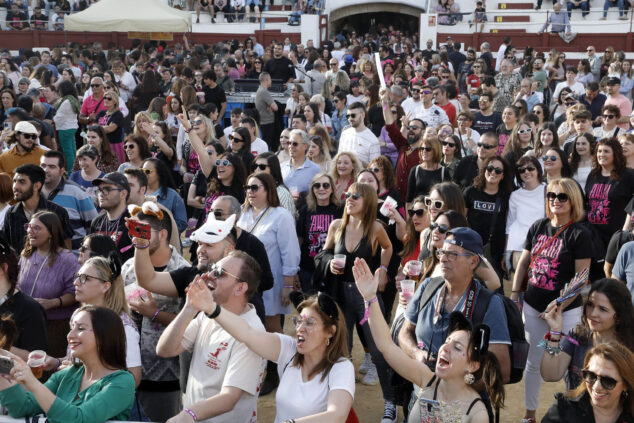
[(547, 244), (262, 216), (496, 211)]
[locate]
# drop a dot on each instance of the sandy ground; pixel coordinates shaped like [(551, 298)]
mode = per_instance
[(368, 402)]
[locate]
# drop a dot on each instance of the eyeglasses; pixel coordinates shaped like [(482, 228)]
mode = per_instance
[(147, 171), (224, 162), (524, 131), (549, 158), (354, 195), (252, 188), (497, 170), (107, 190), (29, 136), (448, 144), (95, 85), (437, 204), (260, 166), (236, 139), (426, 92), (82, 278), (309, 323), (487, 146), (607, 382), (608, 116), (325, 185), (442, 228), (217, 271), (522, 169), (562, 197), (128, 146), (451, 255), (351, 115), (413, 128), (197, 122), (293, 143), (570, 103), (426, 149), (108, 98)]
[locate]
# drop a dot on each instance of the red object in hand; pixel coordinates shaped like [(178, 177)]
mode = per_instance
[(138, 229)]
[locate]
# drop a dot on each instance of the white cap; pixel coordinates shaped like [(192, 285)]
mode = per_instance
[(25, 127)]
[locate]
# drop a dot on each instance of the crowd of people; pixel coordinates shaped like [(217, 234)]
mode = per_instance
[(174, 230)]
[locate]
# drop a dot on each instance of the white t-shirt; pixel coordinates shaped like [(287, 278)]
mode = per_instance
[(525, 208), (295, 398), (352, 99), (364, 144), (218, 360), (411, 106), (132, 347), (259, 146)]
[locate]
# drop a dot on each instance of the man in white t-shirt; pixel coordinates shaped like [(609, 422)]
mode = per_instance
[(431, 114), (224, 375), (414, 103), (357, 138), (258, 145)]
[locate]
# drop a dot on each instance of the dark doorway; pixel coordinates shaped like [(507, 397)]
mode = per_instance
[(369, 22)]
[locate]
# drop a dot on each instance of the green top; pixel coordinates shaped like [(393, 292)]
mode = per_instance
[(109, 398)]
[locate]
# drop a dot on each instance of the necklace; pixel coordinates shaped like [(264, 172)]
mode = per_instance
[(111, 231)]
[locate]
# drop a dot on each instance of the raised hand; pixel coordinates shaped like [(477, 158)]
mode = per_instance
[(366, 282), (199, 295)]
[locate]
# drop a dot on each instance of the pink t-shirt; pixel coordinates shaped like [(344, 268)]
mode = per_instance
[(624, 105), (90, 105)]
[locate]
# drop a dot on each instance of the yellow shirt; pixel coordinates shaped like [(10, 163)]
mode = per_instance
[(10, 160)]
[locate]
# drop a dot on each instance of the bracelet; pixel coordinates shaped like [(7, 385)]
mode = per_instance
[(383, 268), (141, 247), (60, 301), (547, 348), (191, 413), (554, 332), (215, 313), (516, 301), (289, 286), (187, 131), (59, 363), (366, 314), (156, 313), (289, 421)]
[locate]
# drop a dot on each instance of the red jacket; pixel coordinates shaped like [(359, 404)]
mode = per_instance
[(405, 162)]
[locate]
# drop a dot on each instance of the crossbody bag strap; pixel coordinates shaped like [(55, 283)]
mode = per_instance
[(496, 213), (547, 244)]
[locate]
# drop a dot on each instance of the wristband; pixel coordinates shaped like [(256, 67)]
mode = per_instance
[(383, 268), (141, 247), (60, 301), (156, 313), (191, 413), (215, 313), (366, 314), (289, 286), (59, 363)]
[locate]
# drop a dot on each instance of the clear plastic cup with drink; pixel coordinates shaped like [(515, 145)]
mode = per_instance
[(339, 260), (36, 362), (414, 268), (407, 288)]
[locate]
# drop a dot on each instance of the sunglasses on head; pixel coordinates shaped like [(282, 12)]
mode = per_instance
[(318, 185), (448, 144), (523, 169), (497, 170), (607, 382), (549, 158), (562, 196), (417, 212), (437, 204), (224, 162), (354, 195), (260, 166), (442, 228), (252, 188), (487, 146), (234, 138), (29, 136)]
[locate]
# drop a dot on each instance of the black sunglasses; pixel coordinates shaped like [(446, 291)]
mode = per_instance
[(351, 115), (260, 166), (95, 85), (448, 144), (218, 213), (108, 98), (318, 185), (29, 136), (497, 170), (252, 188), (523, 169), (487, 146), (427, 149), (549, 158), (328, 306), (607, 382), (355, 195), (562, 197), (418, 212), (609, 116), (236, 139), (442, 228)]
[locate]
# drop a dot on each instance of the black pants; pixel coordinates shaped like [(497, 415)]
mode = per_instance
[(268, 135)]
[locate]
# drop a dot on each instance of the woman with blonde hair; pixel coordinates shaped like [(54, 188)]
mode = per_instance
[(318, 152), (344, 170), (111, 120), (139, 120)]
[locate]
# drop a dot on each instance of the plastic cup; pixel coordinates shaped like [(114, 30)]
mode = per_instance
[(407, 288), (36, 362), (294, 192), (413, 268), (340, 261)]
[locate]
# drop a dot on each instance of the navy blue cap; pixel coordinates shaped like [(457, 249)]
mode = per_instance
[(466, 238)]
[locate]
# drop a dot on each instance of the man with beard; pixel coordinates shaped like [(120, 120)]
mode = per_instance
[(27, 184), (469, 166), (486, 119), (25, 151), (408, 149), (414, 104)]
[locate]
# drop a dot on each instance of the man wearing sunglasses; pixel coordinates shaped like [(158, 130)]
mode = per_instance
[(93, 102), (468, 167), (413, 104), (224, 375), (486, 119), (431, 114), (359, 139), (26, 150), (620, 101), (299, 170), (425, 326)]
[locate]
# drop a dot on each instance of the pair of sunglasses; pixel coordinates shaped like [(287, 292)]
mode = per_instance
[(418, 212), (562, 197), (442, 228), (497, 170), (354, 195)]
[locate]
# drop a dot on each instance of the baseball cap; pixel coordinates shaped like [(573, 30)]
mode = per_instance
[(25, 127), (348, 58), (213, 231), (466, 238), (571, 96), (114, 178), (613, 80)]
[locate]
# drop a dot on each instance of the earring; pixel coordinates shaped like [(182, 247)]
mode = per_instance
[(469, 378), (327, 341), (625, 394)]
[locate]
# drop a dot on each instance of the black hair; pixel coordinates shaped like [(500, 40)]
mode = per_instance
[(33, 172), (164, 174), (61, 160), (100, 245)]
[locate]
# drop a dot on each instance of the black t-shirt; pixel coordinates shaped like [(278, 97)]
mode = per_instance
[(116, 136), (39, 22), (466, 171), (555, 265), (397, 245), (312, 228), (14, 20), (616, 242), (484, 124), (116, 230), (504, 134), (420, 181), (30, 318), (607, 200), (215, 95), (251, 245), (182, 277), (201, 182), (281, 68), (485, 214)]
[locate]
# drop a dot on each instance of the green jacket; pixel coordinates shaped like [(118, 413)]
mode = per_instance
[(109, 398)]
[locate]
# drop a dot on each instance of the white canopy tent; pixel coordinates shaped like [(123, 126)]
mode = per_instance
[(129, 15)]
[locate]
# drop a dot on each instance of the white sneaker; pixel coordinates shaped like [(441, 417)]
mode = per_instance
[(390, 414), (371, 377), (367, 363)]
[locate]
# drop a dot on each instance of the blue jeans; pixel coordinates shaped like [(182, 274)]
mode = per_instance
[(609, 4), (584, 6)]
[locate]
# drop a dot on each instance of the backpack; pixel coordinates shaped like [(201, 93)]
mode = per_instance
[(518, 350)]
